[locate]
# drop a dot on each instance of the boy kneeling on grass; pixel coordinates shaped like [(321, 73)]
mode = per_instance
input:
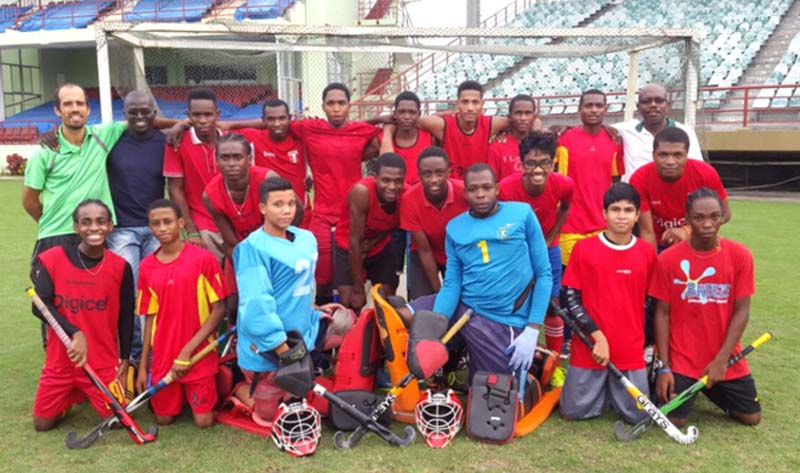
[(182, 294)]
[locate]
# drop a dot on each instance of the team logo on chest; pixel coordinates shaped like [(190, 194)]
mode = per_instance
[(696, 292), (293, 156), (503, 231)]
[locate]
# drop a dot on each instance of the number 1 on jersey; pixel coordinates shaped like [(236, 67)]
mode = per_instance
[(484, 250)]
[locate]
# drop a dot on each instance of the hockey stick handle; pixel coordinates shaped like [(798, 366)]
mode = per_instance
[(647, 405), (133, 429)]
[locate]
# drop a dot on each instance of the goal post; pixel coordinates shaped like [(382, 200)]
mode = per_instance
[(377, 62)]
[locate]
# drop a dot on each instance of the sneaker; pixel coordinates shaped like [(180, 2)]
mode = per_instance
[(566, 347)]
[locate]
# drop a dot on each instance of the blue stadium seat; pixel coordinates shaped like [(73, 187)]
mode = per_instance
[(262, 9)]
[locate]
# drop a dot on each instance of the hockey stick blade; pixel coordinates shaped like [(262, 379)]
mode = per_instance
[(344, 442), (622, 434), (74, 442)]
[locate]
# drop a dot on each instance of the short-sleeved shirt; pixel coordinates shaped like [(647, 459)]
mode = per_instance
[(286, 157), (464, 149), (135, 174), (71, 175), (418, 214), (378, 222), (88, 300), (245, 217), (638, 144), (558, 189), (334, 155), (666, 201), (411, 153), (613, 282), (701, 289), (591, 161), (504, 156), (179, 294), (195, 162)]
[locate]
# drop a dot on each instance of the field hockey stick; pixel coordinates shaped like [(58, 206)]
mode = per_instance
[(119, 412), (626, 435), (339, 440), (658, 417), (74, 442)]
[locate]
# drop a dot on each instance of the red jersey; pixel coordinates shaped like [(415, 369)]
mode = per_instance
[(591, 161), (410, 154), (701, 289), (465, 150), (557, 191), (195, 162), (666, 201), (91, 302), (613, 282), (287, 157), (378, 221), (504, 156), (179, 294), (334, 155), (418, 214), (245, 217)]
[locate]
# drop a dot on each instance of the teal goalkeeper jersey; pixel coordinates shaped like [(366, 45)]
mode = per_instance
[(275, 277), (491, 261)]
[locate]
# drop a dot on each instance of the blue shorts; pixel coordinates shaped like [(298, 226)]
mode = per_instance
[(554, 253)]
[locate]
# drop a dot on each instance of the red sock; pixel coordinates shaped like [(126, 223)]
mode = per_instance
[(553, 332)]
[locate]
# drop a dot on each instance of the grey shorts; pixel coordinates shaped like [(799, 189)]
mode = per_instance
[(418, 284), (587, 393)]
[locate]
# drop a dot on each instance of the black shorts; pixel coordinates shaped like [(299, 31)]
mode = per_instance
[(737, 395), (381, 268)]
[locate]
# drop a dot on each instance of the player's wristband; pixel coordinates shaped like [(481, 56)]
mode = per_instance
[(664, 370), (181, 362), (193, 235)]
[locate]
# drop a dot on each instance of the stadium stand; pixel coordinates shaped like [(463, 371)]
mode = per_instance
[(262, 9), (62, 16), (785, 73), (9, 15), (169, 10)]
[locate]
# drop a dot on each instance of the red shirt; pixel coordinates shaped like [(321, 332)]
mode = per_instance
[(195, 162), (245, 217), (378, 221), (666, 201), (591, 161), (334, 155), (410, 154), (287, 157), (89, 302), (418, 214), (504, 156), (179, 294), (557, 190), (613, 282), (465, 150), (702, 289)]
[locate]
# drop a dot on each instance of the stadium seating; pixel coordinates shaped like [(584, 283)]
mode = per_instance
[(9, 15), (262, 9), (62, 16), (169, 10), (786, 72)]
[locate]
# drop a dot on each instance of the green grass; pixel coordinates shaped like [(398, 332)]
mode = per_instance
[(723, 445)]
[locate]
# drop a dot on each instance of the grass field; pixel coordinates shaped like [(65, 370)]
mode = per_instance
[(765, 227)]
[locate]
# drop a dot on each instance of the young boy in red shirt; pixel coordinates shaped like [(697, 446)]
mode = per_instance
[(703, 286), (182, 294), (89, 291), (550, 196), (604, 290)]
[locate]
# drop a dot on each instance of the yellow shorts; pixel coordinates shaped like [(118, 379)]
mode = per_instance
[(567, 241)]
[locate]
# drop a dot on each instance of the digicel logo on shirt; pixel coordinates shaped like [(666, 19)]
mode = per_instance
[(76, 305), (671, 223)]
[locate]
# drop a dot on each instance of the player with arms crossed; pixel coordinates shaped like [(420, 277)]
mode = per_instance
[(364, 233), (426, 210), (182, 294), (664, 184), (495, 253), (504, 151), (275, 274), (604, 289), (703, 286), (89, 291), (550, 195)]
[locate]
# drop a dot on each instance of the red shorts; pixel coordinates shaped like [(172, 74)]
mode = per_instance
[(306, 223), (229, 276), (60, 388), (201, 394), (320, 226), (267, 396)]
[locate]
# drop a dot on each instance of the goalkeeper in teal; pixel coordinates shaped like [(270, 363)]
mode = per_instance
[(275, 275), (497, 265)]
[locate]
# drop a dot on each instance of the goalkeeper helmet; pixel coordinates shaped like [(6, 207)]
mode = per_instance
[(296, 428), (438, 417)]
